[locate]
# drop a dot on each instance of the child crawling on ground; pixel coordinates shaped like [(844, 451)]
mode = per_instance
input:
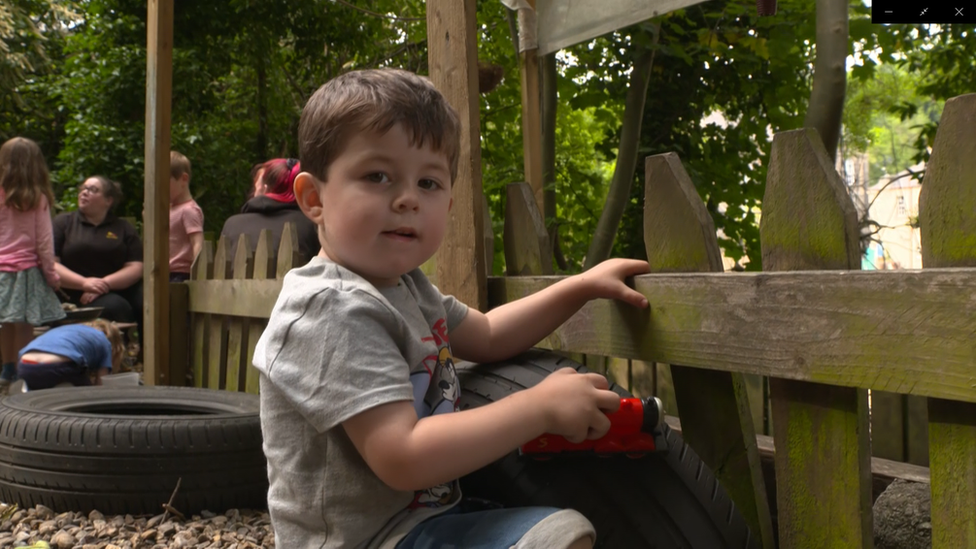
[(79, 354)]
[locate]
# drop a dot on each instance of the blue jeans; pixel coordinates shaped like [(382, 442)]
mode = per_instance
[(493, 529)]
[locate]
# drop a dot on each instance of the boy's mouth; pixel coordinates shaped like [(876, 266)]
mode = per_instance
[(402, 233)]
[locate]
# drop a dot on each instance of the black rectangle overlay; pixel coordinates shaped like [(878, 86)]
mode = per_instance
[(923, 11)]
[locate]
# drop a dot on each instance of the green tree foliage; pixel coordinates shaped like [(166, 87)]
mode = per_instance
[(875, 121), (75, 82), (722, 59), (32, 36), (938, 61), (241, 73)]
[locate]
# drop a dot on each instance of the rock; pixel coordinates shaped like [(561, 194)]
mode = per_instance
[(63, 540), (47, 528), (902, 516), (43, 513), (233, 529), (151, 523)]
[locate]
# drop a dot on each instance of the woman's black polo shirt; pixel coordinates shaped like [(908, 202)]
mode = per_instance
[(95, 251)]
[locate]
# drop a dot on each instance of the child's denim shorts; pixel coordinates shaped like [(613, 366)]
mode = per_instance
[(491, 529)]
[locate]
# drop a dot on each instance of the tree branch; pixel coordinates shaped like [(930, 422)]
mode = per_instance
[(380, 15)]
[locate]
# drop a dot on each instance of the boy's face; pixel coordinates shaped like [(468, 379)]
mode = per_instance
[(177, 185), (384, 208)]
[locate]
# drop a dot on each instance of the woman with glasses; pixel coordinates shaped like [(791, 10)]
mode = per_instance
[(99, 255), (272, 206)]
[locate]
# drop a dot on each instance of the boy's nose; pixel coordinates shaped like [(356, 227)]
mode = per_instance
[(406, 200)]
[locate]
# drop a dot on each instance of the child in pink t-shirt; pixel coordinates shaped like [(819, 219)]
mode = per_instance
[(27, 275), (185, 220)]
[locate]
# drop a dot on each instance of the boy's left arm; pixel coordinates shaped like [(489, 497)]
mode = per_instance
[(196, 241), (516, 326), (193, 223)]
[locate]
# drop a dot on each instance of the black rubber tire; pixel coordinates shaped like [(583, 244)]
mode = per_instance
[(123, 449), (664, 500)]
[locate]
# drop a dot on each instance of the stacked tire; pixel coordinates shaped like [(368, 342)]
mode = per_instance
[(665, 500), (125, 450)]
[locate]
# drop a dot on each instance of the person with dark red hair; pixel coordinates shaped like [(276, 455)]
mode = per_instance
[(272, 206)]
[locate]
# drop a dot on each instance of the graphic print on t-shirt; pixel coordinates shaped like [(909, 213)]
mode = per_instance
[(436, 391)]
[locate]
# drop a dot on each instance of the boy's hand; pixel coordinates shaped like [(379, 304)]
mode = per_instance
[(576, 405), (606, 280)]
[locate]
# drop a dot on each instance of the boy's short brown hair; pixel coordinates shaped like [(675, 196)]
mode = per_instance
[(375, 100), (179, 165)]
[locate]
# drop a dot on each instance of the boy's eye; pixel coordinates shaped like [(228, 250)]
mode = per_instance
[(428, 184), (378, 177)]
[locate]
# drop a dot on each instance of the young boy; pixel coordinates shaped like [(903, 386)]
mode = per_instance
[(358, 388), (185, 220)]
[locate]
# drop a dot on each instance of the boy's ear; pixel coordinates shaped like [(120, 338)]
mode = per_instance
[(307, 196)]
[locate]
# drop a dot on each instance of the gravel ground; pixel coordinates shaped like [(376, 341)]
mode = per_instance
[(235, 529)]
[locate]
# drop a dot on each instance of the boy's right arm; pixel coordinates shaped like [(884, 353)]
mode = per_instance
[(411, 454)]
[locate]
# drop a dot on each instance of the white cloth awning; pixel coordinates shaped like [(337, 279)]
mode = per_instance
[(563, 23)]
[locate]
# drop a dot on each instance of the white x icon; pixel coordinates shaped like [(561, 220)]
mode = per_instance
[(959, 12)]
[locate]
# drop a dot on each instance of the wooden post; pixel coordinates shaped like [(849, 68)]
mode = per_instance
[(526, 240), (823, 473), (237, 329), (288, 255), (531, 108), (159, 89), (947, 218), (453, 61), (179, 331), (216, 324), (489, 235), (263, 269), (202, 269), (716, 420)]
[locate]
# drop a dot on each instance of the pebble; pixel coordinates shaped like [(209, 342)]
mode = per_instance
[(234, 529)]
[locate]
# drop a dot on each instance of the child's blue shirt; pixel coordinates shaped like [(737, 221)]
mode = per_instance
[(83, 345)]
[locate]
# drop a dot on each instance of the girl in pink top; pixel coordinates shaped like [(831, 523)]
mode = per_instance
[(27, 275)]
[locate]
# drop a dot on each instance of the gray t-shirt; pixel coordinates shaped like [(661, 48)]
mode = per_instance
[(334, 347)]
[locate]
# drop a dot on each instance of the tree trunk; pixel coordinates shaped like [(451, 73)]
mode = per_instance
[(830, 73), (547, 66), (623, 173)]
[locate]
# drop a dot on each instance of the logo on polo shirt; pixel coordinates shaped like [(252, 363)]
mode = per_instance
[(111, 236)]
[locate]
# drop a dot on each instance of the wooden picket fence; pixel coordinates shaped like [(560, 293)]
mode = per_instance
[(822, 331)]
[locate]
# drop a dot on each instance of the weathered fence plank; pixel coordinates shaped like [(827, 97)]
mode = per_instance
[(679, 236), (901, 331), (947, 218), (179, 330), (217, 344), (526, 240), (288, 254), (202, 270), (237, 325), (263, 269), (823, 470)]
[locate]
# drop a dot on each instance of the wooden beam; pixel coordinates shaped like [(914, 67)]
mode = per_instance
[(947, 217), (905, 331), (531, 108), (453, 61), (159, 86)]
